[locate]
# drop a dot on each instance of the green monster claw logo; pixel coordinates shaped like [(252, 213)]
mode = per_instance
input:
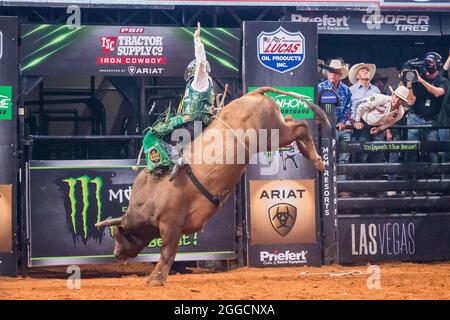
[(84, 181)]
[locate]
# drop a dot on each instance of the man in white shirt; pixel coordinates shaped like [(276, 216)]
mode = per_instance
[(360, 75), (379, 112)]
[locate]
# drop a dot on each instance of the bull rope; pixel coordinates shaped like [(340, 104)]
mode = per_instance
[(333, 274)]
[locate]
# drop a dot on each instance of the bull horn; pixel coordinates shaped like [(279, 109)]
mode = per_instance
[(109, 222)]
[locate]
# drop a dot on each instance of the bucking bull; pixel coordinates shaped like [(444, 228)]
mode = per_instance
[(163, 208)]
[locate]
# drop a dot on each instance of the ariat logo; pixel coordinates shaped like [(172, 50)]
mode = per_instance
[(282, 217), (282, 212), (131, 70), (84, 212), (154, 156), (282, 194)]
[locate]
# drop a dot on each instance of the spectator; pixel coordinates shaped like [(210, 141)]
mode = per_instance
[(335, 71), (427, 96), (379, 112), (444, 115), (360, 76), (398, 134)]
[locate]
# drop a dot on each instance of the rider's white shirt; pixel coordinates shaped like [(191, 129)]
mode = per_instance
[(201, 76)]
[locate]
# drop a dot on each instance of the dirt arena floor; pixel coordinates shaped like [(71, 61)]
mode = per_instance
[(128, 281)]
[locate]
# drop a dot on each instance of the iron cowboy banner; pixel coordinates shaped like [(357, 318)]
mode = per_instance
[(282, 204), (67, 199), (125, 51)]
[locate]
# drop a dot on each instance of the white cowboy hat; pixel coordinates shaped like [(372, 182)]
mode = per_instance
[(402, 92), (354, 71), (336, 65)]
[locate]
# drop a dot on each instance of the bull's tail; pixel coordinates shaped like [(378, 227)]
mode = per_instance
[(317, 110)]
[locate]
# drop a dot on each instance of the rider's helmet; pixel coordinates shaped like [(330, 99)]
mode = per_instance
[(190, 70)]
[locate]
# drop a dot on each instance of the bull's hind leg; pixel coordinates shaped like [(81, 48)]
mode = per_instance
[(300, 132), (170, 236)]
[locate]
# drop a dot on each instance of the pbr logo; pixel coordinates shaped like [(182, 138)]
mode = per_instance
[(281, 51), (282, 217)]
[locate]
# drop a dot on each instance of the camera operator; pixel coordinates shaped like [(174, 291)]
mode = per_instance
[(427, 97), (444, 115)]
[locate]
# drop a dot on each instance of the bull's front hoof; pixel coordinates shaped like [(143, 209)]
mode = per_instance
[(319, 164), (155, 282)]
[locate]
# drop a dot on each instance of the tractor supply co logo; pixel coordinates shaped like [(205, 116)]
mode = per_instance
[(282, 211), (108, 44), (84, 195), (282, 258), (290, 106), (280, 50), (6, 103), (282, 217), (132, 49)]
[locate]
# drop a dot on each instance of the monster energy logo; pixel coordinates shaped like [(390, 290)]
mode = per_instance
[(84, 182)]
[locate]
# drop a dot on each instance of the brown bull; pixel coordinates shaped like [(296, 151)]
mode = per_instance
[(162, 208)]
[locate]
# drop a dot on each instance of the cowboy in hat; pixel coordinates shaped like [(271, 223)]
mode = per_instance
[(360, 76), (335, 71), (379, 112)]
